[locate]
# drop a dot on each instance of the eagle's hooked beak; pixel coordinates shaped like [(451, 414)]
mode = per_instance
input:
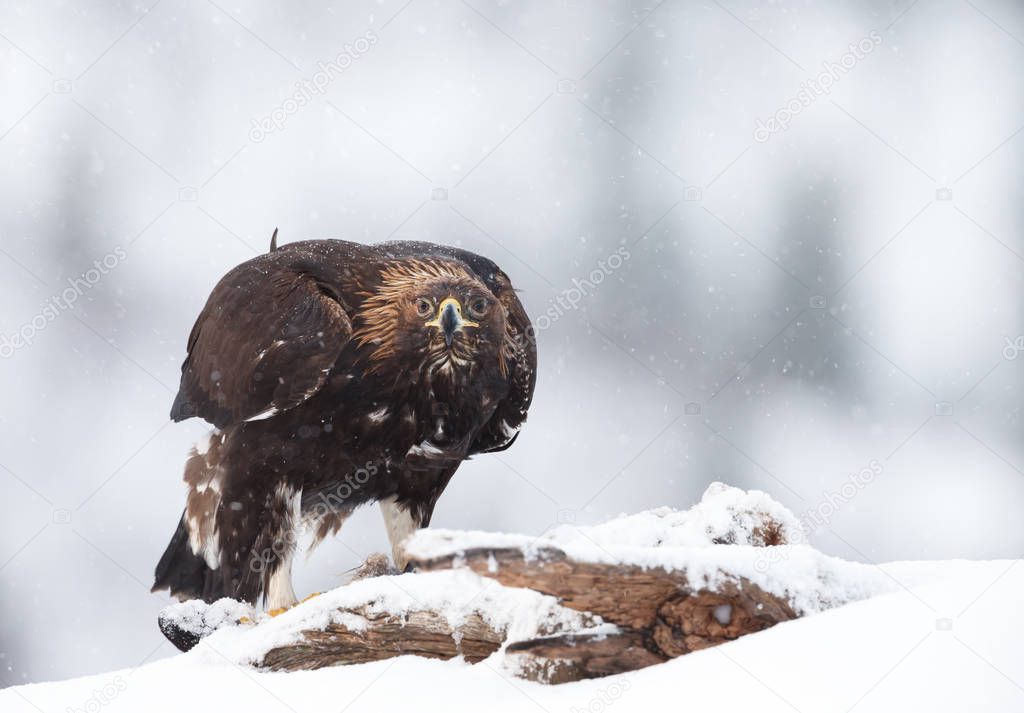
[(449, 319)]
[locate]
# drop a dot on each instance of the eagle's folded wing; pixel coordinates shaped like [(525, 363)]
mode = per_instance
[(520, 355), (264, 343)]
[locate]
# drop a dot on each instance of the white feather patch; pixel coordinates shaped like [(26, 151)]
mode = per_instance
[(280, 592), (272, 411), (400, 525), (378, 415)]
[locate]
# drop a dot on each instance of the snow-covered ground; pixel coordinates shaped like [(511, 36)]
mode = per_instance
[(949, 639), (938, 636)]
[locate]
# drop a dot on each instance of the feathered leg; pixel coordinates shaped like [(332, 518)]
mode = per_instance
[(400, 522), (258, 534)]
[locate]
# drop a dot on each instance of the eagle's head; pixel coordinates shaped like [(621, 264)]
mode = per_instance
[(433, 315)]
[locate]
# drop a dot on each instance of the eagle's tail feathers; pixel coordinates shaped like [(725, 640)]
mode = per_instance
[(185, 573)]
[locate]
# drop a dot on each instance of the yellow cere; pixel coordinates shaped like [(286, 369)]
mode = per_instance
[(436, 321)]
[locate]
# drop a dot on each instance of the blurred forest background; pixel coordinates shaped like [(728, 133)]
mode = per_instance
[(790, 306)]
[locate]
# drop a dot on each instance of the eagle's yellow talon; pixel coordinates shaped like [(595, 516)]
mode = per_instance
[(282, 610)]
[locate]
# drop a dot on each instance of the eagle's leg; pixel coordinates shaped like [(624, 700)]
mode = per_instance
[(258, 532), (280, 593), (400, 522), (321, 512)]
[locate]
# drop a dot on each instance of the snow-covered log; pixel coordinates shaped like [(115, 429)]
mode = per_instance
[(384, 635), (658, 615), (661, 613), (575, 603), (629, 595)]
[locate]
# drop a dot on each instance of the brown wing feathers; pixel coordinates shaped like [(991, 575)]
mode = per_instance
[(520, 356), (262, 344), (271, 330)]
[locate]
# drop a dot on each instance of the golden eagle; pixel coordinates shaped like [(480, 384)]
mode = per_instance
[(338, 374)]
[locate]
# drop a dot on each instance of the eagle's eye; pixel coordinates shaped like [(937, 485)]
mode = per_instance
[(478, 306), (424, 308)]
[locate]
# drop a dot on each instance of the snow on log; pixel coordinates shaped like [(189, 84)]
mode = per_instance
[(628, 595), (433, 614), (574, 603), (574, 657), (383, 636), (661, 612)]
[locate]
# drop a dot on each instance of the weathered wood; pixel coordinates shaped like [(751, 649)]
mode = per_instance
[(573, 657), (422, 633), (696, 621), (622, 594), (627, 595), (659, 613)]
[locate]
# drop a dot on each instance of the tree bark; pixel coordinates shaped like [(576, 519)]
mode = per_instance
[(422, 633), (573, 657), (659, 614), (628, 595)]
